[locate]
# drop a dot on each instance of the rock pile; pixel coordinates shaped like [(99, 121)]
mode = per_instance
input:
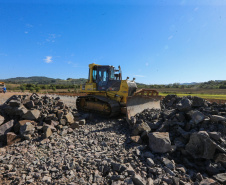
[(188, 138), (34, 117), (184, 144)]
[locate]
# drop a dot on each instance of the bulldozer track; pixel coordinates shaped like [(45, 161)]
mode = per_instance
[(114, 106)]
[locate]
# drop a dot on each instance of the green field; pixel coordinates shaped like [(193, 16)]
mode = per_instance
[(205, 96), (218, 94)]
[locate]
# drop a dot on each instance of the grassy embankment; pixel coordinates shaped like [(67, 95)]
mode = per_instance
[(218, 94)]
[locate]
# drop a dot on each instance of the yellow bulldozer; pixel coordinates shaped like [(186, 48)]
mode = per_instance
[(107, 94)]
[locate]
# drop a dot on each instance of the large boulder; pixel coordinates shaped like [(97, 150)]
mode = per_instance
[(196, 116), (12, 138), (20, 111), (69, 117), (198, 102), (20, 123), (221, 177), (201, 146), (139, 128), (30, 104), (184, 104), (27, 130), (15, 103), (32, 114), (47, 131), (159, 142), (5, 128)]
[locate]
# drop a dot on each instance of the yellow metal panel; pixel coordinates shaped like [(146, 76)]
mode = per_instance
[(89, 87)]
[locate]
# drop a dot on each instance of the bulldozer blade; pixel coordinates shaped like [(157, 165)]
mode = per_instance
[(136, 104)]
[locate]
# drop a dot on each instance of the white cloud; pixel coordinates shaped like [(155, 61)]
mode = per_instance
[(52, 37), (72, 64), (29, 25), (3, 54), (75, 65), (170, 37), (139, 76), (196, 9), (147, 64), (48, 59)]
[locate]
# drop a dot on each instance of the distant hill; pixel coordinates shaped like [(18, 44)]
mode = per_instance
[(43, 80), (191, 83)]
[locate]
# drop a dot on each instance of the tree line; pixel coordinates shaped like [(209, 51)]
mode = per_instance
[(205, 85), (38, 87)]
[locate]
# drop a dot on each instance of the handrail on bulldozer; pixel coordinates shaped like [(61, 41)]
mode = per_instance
[(146, 92)]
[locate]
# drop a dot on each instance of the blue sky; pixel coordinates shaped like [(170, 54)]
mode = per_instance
[(157, 42)]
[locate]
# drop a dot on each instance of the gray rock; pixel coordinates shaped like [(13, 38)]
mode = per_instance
[(201, 146), (138, 180), (14, 103), (150, 181), (12, 138), (221, 177), (27, 130), (129, 169), (136, 139), (214, 135), (184, 104), (69, 117), (30, 104), (208, 181), (62, 122), (148, 155), (82, 122), (150, 162), (2, 119), (75, 125), (197, 116), (46, 131), (221, 157), (19, 111), (116, 167), (5, 128), (32, 115), (60, 114), (159, 142), (139, 128), (46, 179), (169, 164), (217, 118), (17, 126), (60, 103), (198, 102)]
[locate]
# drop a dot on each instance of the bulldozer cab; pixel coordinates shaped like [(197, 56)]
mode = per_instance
[(106, 78)]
